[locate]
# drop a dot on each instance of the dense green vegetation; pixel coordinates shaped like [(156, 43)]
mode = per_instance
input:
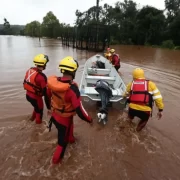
[(7, 29), (128, 24), (50, 27)]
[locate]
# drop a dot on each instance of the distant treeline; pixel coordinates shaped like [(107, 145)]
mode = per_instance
[(13, 30), (128, 24)]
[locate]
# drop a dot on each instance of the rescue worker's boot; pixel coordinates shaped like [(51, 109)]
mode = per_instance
[(57, 155), (38, 118), (33, 116)]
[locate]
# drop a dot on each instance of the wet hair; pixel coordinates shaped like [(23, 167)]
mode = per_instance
[(41, 66), (38, 66), (70, 73)]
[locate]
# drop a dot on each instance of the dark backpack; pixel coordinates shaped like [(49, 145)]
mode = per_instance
[(100, 65)]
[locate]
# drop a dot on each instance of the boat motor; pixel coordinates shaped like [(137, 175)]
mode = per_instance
[(105, 93)]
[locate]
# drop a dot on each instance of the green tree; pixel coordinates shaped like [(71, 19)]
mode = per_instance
[(174, 30), (7, 27), (6, 24), (173, 21), (150, 24), (50, 25), (125, 18), (173, 9), (32, 29), (127, 24)]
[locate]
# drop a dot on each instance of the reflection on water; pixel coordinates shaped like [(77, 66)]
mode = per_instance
[(9, 41), (115, 151)]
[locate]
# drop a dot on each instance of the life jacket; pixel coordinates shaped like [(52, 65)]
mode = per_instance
[(29, 83), (59, 89), (139, 93)]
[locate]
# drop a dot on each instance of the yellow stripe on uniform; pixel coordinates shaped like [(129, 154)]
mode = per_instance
[(157, 97)]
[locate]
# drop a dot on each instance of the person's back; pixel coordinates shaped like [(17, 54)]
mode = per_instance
[(65, 95), (35, 82), (115, 59), (154, 92), (65, 102), (142, 94)]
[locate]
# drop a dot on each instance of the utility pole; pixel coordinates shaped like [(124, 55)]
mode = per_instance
[(97, 22), (97, 10)]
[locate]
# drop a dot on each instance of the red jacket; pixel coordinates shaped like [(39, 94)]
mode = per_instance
[(115, 60), (41, 81)]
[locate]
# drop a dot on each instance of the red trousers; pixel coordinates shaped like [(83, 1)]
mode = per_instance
[(37, 103), (65, 128)]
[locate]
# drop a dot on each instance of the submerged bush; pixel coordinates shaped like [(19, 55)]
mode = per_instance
[(168, 44), (177, 48)]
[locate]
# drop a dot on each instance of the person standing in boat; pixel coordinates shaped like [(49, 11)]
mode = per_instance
[(115, 59), (35, 82), (141, 96), (65, 103)]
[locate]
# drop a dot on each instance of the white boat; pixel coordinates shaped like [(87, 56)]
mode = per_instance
[(91, 75)]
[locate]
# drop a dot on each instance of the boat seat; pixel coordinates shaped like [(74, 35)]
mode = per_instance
[(94, 79), (95, 71), (91, 90)]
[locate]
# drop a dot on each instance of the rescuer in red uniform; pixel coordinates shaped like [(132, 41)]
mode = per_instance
[(115, 59), (65, 103), (35, 82)]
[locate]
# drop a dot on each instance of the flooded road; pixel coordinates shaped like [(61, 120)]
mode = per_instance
[(113, 152)]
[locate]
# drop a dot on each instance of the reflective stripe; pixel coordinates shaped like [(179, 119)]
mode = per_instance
[(29, 75), (132, 85), (157, 97), (138, 82), (83, 109), (155, 91), (145, 85)]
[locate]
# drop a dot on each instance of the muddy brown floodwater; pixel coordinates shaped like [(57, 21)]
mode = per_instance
[(113, 152)]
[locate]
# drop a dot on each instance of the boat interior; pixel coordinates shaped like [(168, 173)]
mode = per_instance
[(92, 74)]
